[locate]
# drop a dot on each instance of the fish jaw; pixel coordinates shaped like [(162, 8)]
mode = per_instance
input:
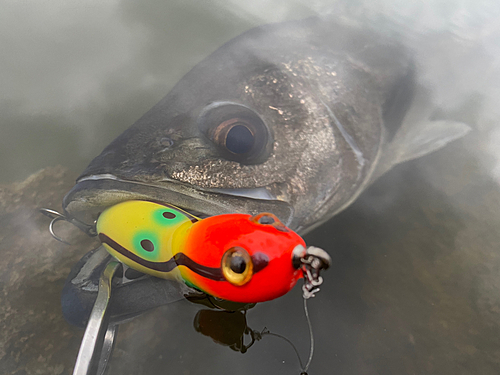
[(93, 194)]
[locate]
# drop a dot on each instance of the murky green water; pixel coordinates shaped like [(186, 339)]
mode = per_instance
[(415, 284)]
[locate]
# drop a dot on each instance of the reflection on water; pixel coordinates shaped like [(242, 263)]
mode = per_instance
[(415, 283)]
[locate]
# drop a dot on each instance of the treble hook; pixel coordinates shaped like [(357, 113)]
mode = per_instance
[(57, 216)]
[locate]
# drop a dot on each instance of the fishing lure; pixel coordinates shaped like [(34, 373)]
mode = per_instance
[(235, 257)]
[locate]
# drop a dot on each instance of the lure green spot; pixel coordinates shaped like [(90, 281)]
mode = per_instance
[(167, 217)]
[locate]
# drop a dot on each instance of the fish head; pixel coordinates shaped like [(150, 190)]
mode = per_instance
[(284, 119)]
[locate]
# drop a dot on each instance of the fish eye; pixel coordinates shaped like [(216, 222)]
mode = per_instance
[(237, 266), (237, 131)]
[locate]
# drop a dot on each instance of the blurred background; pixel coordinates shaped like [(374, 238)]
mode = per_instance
[(415, 284)]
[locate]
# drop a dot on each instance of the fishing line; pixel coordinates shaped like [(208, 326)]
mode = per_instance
[(266, 332), (304, 369), (311, 350)]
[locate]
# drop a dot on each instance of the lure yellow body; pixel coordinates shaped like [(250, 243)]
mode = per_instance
[(148, 230), (236, 257)]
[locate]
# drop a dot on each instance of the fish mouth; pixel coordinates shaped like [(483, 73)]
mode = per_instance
[(93, 194)]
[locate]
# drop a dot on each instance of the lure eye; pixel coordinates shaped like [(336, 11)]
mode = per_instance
[(237, 266), (237, 131)]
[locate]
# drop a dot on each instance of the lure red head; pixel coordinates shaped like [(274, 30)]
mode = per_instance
[(247, 258), (235, 257)]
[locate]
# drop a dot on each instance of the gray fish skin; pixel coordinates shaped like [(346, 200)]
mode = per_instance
[(334, 101)]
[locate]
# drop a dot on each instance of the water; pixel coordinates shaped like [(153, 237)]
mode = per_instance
[(415, 283)]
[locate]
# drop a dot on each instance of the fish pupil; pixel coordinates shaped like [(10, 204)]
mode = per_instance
[(239, 139), (238, 264)]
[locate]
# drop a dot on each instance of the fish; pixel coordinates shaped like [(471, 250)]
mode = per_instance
[(234, 257), (295, 118)]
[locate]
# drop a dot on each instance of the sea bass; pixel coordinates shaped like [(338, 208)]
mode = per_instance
[(296, 119)]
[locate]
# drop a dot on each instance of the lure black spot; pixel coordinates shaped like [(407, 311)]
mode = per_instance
[(260, 261), (148, 245), (169, 215), (266, 220)]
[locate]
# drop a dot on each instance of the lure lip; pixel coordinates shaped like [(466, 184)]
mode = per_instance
[(93, 194)]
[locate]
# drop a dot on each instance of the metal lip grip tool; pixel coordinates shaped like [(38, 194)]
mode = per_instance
[(99, 337)]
